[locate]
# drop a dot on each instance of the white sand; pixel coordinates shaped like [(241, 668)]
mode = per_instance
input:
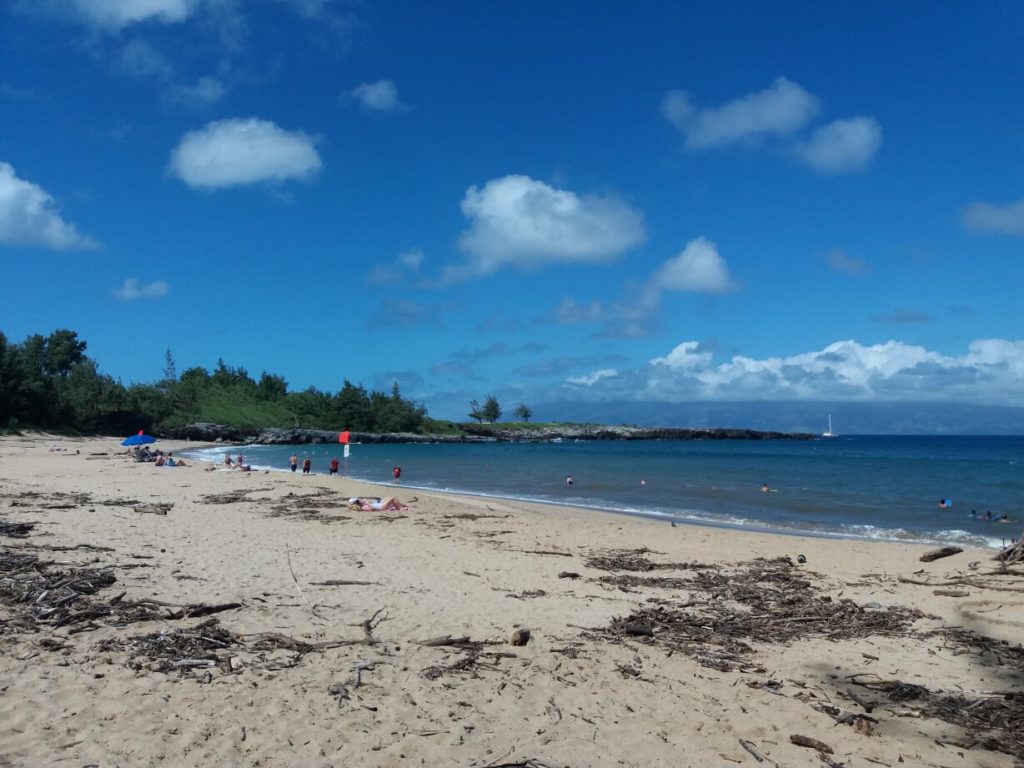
[(435, 573)]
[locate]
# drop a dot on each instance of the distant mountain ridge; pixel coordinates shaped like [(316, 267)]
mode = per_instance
[(890, 418)]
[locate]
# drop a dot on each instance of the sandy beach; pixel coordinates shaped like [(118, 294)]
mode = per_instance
[(293, 630)]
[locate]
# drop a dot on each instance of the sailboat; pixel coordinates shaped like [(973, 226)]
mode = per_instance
[(829, 432)]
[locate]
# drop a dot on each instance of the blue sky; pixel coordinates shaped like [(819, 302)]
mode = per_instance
[(543, 201)]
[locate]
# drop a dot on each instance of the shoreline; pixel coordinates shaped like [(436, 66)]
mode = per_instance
[(368, 592), (692, 517)]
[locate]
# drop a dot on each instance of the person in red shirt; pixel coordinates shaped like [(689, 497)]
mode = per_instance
[(334, 466), (397, 473)]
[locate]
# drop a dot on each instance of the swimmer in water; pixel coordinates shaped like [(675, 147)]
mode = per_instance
[(568, 480)]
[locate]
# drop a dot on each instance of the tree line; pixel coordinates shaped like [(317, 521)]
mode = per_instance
[(49, 382)]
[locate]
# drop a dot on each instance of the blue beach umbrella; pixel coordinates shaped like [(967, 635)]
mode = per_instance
[(138, 439)]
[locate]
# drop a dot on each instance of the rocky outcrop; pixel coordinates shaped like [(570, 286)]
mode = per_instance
[(472, 433)]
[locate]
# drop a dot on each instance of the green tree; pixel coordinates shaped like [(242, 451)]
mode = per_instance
[(523, 413), (491, 410), (170, 369), (475, 411), (272, 386), (63, 350)]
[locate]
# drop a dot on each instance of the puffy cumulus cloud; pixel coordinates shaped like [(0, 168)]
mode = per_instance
[(779, 110), (381, 96), (116, 14), (840, 260), (991, 371), (228, 153), (686, 356), (29, 216), (133, 290), (842, 146), (518, 221), (697, 269), (1001, 219)]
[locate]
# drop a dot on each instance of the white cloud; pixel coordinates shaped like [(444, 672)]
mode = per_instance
[(228, 153), (1002, 219), (29, 216), (592, 378), (381, 96), (686, 356), (117, 14), (779, 110), (517, 221), (206, 92), (842, 146), (132, 290), (698, 269), (991, 371)]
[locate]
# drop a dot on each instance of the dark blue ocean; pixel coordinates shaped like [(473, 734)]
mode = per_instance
[(872, 487)]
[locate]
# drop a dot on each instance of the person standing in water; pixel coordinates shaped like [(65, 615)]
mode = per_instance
[(306, 465), (293, 462), (334, 466)]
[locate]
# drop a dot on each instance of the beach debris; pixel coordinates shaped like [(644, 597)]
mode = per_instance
[(807, 741), (209, 644), (15, 530), (951, 592), (935, 554), (755, 752), (568, 575), (44, 594), (1013, 553), (636, 560), (521, 636), (992, 722), (156, 508), (763, 601), (801, 559)]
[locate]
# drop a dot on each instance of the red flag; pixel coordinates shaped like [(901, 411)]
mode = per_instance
[(343, 437), (140, 431)]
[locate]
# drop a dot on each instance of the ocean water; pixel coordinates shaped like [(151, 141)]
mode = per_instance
[(872, 487)]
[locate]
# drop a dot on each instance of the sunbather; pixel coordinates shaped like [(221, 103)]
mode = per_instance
[(387, 504)]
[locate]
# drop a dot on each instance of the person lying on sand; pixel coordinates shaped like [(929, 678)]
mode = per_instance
[(387, 504)]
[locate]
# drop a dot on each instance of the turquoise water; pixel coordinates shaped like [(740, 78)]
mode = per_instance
[(853, 486)]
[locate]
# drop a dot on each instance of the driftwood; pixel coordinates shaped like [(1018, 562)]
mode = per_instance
[(727, 608), (951, 592), (157, 508), (935, 554), (807, 741), (341, 583)]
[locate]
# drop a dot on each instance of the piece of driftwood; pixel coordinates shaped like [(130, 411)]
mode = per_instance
[(157, 508), (445, 640), (951, 593), (864, 703), (935, 554), (568, 575), (341, 583), (807, 741)]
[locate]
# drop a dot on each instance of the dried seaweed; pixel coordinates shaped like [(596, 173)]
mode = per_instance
[(758, 601), (42, 594), (635, 560), (991, 722)]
